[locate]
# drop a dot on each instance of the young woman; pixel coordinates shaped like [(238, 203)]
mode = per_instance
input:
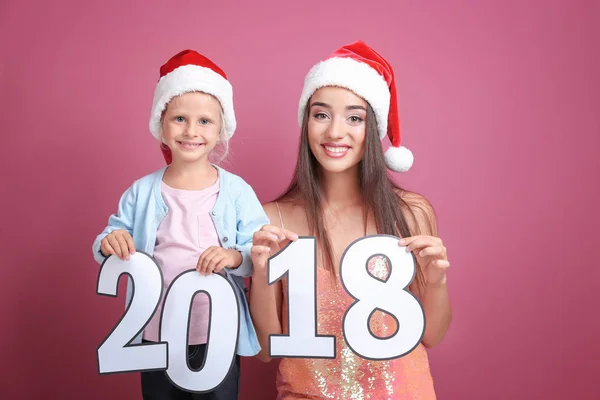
[(341, 192)]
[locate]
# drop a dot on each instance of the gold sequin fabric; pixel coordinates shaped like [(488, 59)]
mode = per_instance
[(349, 376)]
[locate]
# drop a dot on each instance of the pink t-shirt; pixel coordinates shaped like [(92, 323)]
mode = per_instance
[(185, 232)]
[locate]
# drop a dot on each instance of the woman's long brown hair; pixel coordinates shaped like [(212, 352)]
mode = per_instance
[(379, 192)]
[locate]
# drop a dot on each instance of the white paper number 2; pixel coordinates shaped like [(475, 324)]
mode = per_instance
[(370, 294), (115, 354)]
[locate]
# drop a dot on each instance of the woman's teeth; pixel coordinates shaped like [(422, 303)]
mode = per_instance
[(336, 149)]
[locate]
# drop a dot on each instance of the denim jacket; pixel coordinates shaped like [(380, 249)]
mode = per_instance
[(237, 214)]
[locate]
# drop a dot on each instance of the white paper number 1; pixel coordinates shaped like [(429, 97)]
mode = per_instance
[(370, 294), (302, 340)]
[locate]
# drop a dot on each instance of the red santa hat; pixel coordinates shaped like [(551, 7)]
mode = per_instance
[(189, 71), (358, 68)]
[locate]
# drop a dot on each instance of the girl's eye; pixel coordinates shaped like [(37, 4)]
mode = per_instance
[(204, 121), (355, 119), (179, 119), (320, 115)]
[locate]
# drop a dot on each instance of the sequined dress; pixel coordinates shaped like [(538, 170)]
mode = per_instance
[(348, 376)]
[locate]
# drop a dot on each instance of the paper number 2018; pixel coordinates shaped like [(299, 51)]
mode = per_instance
[(297, 261)]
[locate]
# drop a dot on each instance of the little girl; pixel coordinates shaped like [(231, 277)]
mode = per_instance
[(191, 213)]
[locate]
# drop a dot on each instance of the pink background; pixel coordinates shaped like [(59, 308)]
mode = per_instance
[(500, 102)]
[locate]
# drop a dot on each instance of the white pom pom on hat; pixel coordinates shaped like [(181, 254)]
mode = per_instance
[(359, 68), (399, 159)]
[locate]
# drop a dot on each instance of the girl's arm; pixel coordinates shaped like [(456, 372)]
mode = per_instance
[(122, 219), (250, 218)]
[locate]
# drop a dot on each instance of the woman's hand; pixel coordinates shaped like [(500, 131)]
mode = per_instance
[(267, 242), (431, 256)]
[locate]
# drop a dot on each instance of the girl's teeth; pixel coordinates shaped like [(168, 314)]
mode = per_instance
[(191, 144)]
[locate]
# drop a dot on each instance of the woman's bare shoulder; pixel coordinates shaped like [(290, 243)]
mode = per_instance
[(418, 211), (290, 212)]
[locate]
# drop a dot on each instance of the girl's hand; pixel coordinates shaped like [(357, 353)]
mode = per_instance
[(431, 256), (215, 258), (119, 243), (267, 242)]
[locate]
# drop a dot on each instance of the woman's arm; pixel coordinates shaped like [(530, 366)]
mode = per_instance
[(265, 308), (431, 257), (266, 300)]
